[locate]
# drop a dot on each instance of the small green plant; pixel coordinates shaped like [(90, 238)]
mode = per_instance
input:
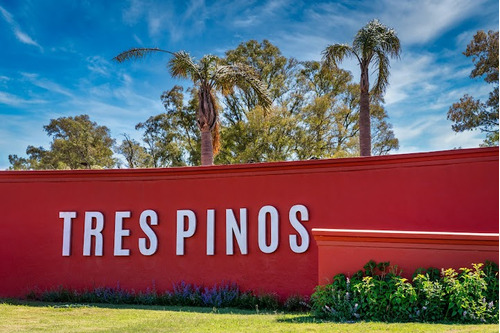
[(379, 293), (335, 300), (430, 297)]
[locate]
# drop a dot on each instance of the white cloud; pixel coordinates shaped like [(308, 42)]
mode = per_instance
[(412, 76), (415, 129), (430, 133), (20, 35), (47, 84), (24, 38), (99, 65), (7, 16), (134, 12), (16, 101), (422, 21)]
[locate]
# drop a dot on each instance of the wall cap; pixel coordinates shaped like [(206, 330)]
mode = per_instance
[(474, 155), (337, 236)]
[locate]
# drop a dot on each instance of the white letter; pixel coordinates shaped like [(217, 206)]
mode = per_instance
[(304, 214), (153, 240), (273, 212), (240, 233), (89, 232), (67, 216), (210, 232), (120, 233), (181, 233)]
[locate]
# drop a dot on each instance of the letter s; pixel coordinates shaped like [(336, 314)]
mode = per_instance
[(302, 231)]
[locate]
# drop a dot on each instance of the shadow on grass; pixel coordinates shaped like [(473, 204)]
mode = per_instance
[(309, 319), (194, 309), (284, 317)]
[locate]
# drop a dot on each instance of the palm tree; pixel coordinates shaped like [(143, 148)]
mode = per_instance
[(210, 76), (373, 43)]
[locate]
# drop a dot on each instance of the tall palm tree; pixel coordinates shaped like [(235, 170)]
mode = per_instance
[(374, 43), (210, 75)]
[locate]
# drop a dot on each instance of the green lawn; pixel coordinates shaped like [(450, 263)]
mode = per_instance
[(30, 317)]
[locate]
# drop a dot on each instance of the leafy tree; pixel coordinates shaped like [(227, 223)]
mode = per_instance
[(273, 69), (267, 135), (209, 76), (247, 131), (173, 138), (330, 115), (470, 113), (135, 154), (373, 44), (314, 114), (77, 143)]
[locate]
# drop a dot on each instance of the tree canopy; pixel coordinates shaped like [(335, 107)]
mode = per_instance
[(313, 112), (77, 143), (470, 113)]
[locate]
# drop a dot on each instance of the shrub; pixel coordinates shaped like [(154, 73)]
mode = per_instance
[(379, 293), (430, 298), (335, 300)]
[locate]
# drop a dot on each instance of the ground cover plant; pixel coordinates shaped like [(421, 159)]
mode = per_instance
[(222, 295), (379, 293)]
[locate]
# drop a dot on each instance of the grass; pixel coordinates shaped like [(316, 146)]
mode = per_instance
[(44, 317)]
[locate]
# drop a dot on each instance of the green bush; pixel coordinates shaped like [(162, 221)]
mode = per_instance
[(379, 293)]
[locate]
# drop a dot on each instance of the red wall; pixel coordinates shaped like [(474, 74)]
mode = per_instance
[(347, 251), (454, 191)]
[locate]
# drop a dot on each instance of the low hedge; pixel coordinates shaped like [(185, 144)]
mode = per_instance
[(379, 293), (182, 294)]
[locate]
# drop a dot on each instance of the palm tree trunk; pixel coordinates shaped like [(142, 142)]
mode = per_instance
[(207, 154), (365, 140)]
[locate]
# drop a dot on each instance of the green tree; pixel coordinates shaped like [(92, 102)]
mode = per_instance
[(268, 135), (77, 143), (248, 132), (373, 44), (173, 138), (209, 76), (330, 115), (274, 70), (470, 113), (316, 115), (135, 154)]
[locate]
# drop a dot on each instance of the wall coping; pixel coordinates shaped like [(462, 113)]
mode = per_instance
[(337, 236), (259, 169)]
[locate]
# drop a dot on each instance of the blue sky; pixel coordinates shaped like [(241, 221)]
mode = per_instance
[(56, 58)]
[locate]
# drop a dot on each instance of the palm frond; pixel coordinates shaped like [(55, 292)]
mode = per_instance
[(376, 36), (244, 77), (182, 65), (390, 44), (137, 53), (334, 54), (382, 64)]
